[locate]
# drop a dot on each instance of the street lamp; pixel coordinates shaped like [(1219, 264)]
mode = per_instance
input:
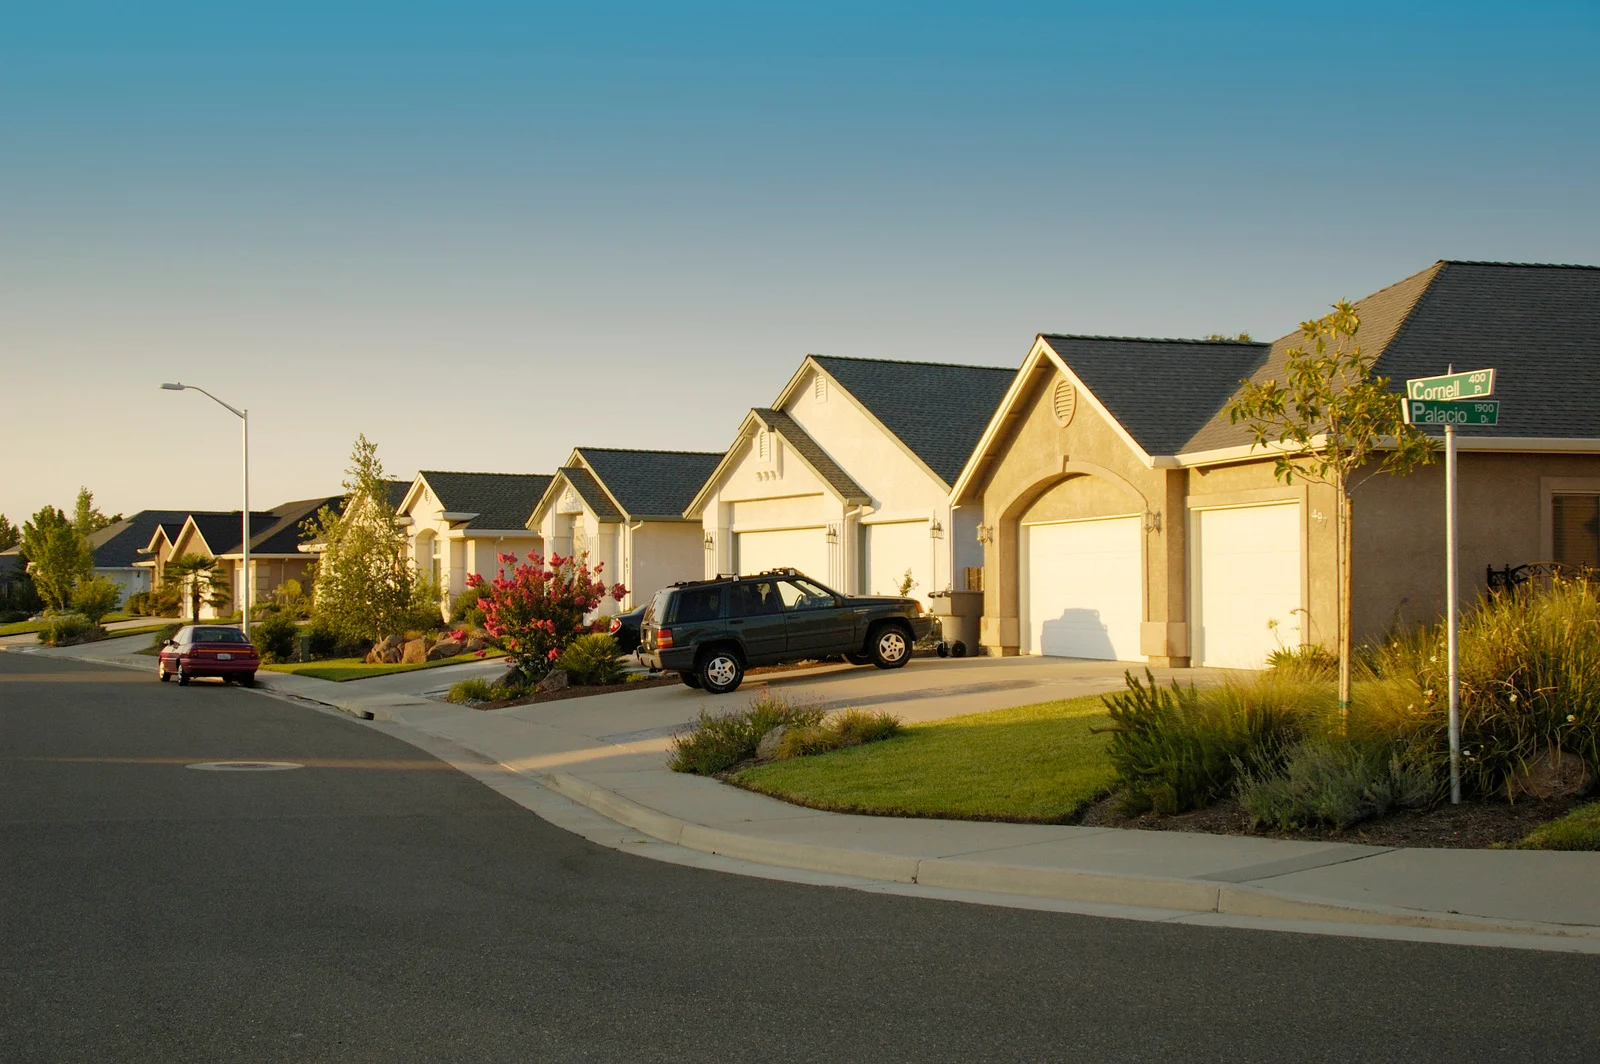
[(244, 416)]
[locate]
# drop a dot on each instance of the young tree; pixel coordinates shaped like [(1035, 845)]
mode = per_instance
[(95, 596), (10, 536), (365, 587), (87, 518), (197, 575), (1335, 423), (539, 609), (57, 556)]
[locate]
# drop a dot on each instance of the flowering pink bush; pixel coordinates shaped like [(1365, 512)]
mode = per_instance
[(540, 607)]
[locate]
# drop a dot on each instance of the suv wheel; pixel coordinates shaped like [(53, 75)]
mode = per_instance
[(891, 647), (720, 671), (690, 680), (858, 657)]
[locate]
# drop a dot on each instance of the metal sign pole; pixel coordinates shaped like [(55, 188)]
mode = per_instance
[(1451, 592)]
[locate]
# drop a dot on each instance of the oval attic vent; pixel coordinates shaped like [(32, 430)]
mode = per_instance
[(1066, 402)]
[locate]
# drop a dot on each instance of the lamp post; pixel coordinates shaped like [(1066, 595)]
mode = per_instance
[(243, 416)]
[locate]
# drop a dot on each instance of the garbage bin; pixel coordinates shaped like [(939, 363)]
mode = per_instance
[(959, 613)]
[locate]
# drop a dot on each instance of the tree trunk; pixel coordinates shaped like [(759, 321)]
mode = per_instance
[(1344, 603)]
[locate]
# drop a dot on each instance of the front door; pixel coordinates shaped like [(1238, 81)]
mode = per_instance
[(755, 615)]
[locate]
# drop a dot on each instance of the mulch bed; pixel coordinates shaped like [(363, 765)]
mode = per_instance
[(664, 680), (1474, 824)]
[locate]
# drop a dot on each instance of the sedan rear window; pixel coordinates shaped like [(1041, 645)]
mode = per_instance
[(219, 635)]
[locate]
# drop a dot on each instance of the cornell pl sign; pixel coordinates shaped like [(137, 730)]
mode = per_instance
[(1452, 386)]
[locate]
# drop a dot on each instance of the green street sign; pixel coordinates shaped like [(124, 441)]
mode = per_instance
[(1452, 387), (1428, 412)]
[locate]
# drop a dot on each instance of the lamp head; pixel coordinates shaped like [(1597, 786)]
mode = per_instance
[(174, 387)]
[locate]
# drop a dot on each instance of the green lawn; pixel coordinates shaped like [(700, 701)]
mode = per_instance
[(340, 670), (1578, 830), (1036, 763), (23, 627)]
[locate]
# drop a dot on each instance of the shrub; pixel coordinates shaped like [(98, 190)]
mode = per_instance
[(275, 636), (719, 742), (166, 600), (540, 607), (1329, 781), (325, 641), (1530, 681), (67, 628), (138, 604), (1312, 660), (13, 616), (167, 632), (591, 660), (848, 727), (476, 690), (1175, 750), (95, 596), (465, 608), (289, 597)]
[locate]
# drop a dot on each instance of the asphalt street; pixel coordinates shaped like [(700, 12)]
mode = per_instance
[(377, 905)]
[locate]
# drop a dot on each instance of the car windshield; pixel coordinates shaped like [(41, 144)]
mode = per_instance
[(219, 635), (804, 595)]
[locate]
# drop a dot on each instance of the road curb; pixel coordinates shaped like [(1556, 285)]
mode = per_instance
[(1061, 884)]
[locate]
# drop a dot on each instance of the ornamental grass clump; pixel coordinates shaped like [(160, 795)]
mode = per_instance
[(717, 742), (848, 727), (592, 660), (1530, 682), (1334, 782), (1176, 749)]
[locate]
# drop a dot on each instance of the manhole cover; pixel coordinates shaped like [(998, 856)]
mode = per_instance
[(244, 766)]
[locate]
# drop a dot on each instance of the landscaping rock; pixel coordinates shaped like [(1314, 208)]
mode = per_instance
[(767, 748), (556, 681), (474, 644), (415, 652), (444, 648), (387, 651), (1551, 774)]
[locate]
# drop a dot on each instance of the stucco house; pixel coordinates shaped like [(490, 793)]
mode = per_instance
[(119, 548), (625, 509), (275, 538), (458, 523), (1125, 517), (847, 477)]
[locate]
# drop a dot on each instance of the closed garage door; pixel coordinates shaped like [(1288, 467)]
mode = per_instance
[(1083, 586), (1247, 576), (805, 549), (890, 550)]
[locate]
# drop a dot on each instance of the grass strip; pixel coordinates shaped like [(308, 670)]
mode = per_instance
[(1579, 829), (1034, 764), (343, 670)]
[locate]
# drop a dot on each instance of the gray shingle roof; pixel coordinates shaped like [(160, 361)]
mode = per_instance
[(221, 531), (501, 500), (1537, 326), (812, 452), (1161, 391), (117, 546), (651, 483), (590, 491), (283, 534), (939, 411)]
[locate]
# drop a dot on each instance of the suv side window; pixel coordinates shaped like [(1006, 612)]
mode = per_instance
[(754, 598), (804, 595), (698, 604)]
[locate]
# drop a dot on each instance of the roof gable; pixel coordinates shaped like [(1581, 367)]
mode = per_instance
[(937, 410), (500, 500), (813, 454), (658, 484), (118, 546)]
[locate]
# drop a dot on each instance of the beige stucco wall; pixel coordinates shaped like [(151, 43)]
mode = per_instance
[(463, 550), (660, 553)]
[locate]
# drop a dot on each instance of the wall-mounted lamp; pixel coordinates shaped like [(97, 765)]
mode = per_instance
[(1152, 520), (711, 541), (832, 534), (986, 534), (935, 529)]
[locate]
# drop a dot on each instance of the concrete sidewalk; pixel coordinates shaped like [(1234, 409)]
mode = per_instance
[(608, 753)]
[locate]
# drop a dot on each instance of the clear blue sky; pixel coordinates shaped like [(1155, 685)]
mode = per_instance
[(483, 234)]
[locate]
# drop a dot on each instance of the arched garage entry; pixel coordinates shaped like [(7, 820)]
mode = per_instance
[(1081, 567)]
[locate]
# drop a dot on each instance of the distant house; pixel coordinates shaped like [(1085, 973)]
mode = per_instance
[(275, 537), (120, 548), (457, 524), (846, 477), (624, 509)]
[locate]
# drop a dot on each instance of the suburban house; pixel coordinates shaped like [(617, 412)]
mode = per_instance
[(157, 549), (119, 548), (625, 510), (275, 537), (847, 477), (1124, 516), (457, 524)]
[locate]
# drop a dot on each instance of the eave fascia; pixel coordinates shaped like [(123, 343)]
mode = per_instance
[(866, 412), (599, 480), (697, 507)]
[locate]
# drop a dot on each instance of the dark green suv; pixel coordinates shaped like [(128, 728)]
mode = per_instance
[(710, 631)]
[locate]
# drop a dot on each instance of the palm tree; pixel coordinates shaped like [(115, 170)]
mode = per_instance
[(197, 573)]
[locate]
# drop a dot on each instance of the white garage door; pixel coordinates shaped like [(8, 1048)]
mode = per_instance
[(1083, 589), (890, 550), (1247, 575), (805, 549)]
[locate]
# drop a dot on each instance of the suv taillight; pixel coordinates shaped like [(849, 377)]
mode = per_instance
[(663, 638), (616, 624)]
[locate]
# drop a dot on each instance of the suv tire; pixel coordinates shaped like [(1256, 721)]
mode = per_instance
[(720, 670), (690, 680), (858, 657), (891, 646)]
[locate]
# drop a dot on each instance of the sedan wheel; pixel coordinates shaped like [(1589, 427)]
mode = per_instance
[(183, 677), (891, 649), (720, 671), (161, 672)]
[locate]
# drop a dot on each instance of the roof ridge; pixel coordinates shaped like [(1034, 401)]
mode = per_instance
[(474, 473), (641, 450), (1518, 265), (1156, 339), (911, 362)]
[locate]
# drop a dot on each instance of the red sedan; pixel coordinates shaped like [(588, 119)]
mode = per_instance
[(208, 650)]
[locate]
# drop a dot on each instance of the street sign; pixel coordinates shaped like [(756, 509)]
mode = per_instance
[(1452, 386), (1431, 412)]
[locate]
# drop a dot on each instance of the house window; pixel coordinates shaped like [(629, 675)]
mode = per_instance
[(1576, 520), (434, 571)]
